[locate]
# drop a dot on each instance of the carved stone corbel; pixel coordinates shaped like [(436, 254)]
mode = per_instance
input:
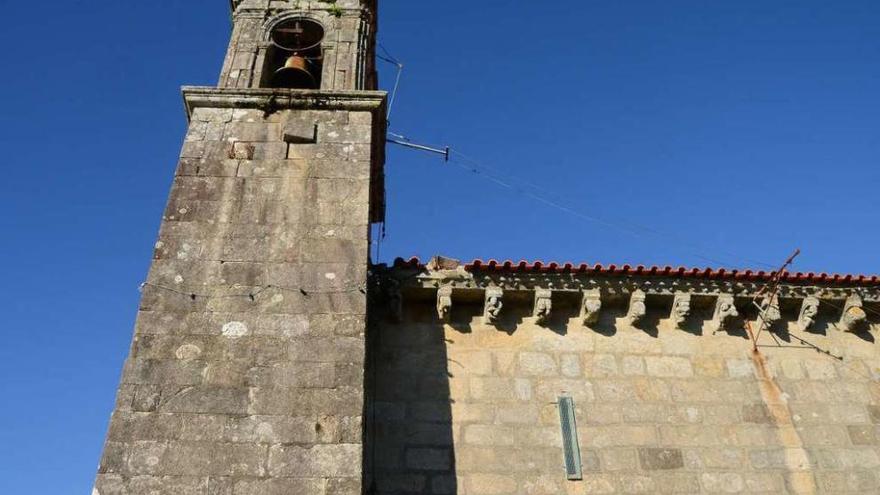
[(681, 308), (543, 305), (493, 305), (725, 312), (590, 306), (809, 310), (444, 302), (770, 313), (637, 309), (854, 316)]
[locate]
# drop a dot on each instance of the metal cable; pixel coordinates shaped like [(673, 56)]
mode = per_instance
[(540, 194)]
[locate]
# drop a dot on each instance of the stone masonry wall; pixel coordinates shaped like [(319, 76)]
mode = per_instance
[(245, 375), (470, 409)]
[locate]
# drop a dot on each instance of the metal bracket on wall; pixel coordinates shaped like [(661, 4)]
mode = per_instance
[(405, 142), (570, 447)]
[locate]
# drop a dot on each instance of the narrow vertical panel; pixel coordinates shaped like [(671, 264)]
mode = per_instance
[(570, 447)]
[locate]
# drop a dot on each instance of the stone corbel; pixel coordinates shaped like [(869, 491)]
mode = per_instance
[(543, 305), (854, 316), (637, 308), (493, 305), (444, 302), (590, 306), (809, 310), (681, 308), (769, 312), (725, 312)]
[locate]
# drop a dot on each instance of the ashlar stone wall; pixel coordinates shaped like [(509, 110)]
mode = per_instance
[(245, 374), (464, 407)]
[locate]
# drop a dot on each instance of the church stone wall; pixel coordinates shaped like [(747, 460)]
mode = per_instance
[(245, 375), (470, 409)]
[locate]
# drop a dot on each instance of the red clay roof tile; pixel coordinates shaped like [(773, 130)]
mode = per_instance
[(666, 271)]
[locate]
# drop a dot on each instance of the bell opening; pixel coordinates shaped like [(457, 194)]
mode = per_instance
[(294, 58), (298, 35)]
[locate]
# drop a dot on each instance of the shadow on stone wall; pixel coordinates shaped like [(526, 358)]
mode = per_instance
[(408, 444)]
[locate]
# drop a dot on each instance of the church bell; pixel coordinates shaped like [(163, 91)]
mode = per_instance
[(296, 73), (298, 42)]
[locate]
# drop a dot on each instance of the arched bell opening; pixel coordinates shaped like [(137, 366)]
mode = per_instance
[(295, 57)]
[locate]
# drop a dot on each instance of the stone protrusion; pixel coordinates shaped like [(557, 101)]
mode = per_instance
[(725, 312), (543, 305), (493, 305), (300, 130), (769, 313), (591, 304), (681, 308), (637, 309), (444, 303), (854, 316), (809, 310)]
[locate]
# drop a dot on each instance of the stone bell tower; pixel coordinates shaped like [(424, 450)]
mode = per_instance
[(245, 374)]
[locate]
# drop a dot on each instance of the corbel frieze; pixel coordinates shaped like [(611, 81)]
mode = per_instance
[(637, 309), (594, 292), (809, 311), (853, 317), (768, 312), (681, 308), (591, 304), (493, 305), (725, 312), (621, 285), (543, 305), (444, 302)]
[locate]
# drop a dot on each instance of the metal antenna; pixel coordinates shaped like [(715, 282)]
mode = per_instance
[(391, 60), (397, 138)]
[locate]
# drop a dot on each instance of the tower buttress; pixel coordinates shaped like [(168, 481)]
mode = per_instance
[(245, 373)]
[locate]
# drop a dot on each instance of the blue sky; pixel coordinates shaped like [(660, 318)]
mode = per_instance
[(671, 132)]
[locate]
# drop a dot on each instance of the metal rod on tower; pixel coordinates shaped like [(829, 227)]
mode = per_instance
[(445, 151)]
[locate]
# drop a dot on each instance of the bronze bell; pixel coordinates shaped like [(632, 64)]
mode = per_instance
[(295, 74)]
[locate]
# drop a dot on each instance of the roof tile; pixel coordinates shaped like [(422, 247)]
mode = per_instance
[(492, 265)]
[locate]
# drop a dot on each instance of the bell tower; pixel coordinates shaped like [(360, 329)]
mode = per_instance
[(302, 44), (245, 373)]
